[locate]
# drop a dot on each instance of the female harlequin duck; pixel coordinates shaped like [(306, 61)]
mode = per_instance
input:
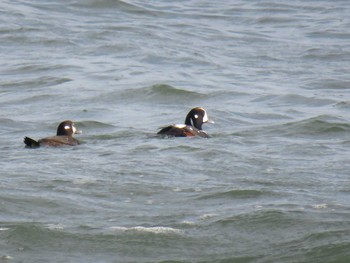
[(192, 127), (64, 137)]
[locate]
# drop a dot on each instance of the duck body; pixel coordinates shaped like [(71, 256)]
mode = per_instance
[(192, 127), (181, 130), (64, 137), (54, 141)]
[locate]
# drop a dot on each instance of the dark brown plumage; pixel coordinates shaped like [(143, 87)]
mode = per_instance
[(192, 127), (64, 137)]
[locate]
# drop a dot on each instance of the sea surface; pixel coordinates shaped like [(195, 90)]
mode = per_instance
[(271, 184)]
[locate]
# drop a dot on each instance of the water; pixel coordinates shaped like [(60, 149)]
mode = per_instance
[(270, 185)]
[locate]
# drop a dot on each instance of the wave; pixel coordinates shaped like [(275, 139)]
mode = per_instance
[(93, 125), (154, 230), (322, 125), (331, 84), (118, 4), (235, 194), (43, 233), (325, 246), (41, 82), (268, 217), (164, 91), (158, 93), (117, 135), (324, 55), (343, 104), (294, 99)]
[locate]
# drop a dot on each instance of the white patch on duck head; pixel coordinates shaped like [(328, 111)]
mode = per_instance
[(67, 127), (205, 117)]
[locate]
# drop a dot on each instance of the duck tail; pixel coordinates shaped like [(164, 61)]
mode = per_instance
[(31, 143)]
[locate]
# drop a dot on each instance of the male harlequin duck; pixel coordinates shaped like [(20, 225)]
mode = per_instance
[(192, 127), (64, 137)]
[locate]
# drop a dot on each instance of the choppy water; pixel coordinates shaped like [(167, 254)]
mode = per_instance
[(272, 184)]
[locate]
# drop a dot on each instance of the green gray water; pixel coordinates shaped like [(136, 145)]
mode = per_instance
[(270, 185)]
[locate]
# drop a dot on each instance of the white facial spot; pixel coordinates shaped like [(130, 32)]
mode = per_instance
[(67, 127), (205, 117), (196, 116), (74, 129)]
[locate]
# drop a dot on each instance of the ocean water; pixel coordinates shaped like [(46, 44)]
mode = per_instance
[(272, 184)]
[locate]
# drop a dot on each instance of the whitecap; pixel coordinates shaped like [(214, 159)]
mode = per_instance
[(155, 229), (319, 206), (6, 257), (55, 226)]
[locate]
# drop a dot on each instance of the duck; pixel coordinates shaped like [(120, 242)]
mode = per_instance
[(64, 137), (192, 127)]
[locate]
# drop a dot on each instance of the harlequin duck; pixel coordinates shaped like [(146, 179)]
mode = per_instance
[(192, 127), (64, 137)]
